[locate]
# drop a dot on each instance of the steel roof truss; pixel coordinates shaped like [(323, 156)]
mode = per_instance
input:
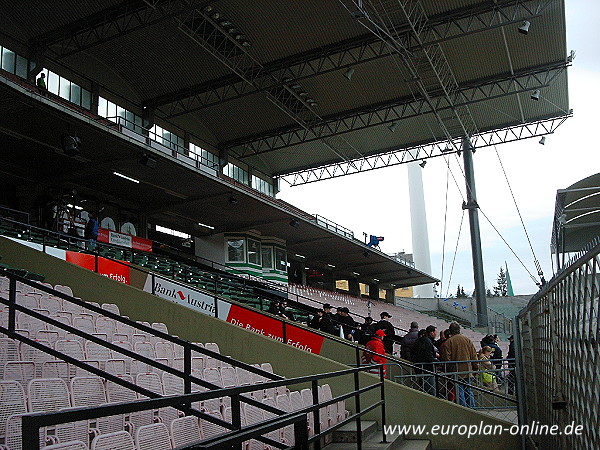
[(111, 23), (419, 152), (350, 53), (386, 113)]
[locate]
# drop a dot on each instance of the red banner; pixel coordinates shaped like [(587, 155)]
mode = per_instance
[(124, 240), (106, 267), (269, 327)]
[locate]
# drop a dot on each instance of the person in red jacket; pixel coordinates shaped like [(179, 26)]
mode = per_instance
[(375, 345)]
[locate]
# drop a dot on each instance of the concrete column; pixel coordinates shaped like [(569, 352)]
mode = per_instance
[(374, 291), (354, 287), (390, 296), (418, 223)]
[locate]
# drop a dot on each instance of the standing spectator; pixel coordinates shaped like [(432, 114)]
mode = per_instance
[(460, 349), (41, 84), (274, 307), (322, 320), (444, 335), (409, 340), (91, 231), (367, 331), (488, 376), (347, 323), (492, 341), (424, 354), (390, 334), (375, 352)]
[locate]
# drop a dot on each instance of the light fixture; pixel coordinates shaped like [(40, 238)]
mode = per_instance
[(376, 280), (70, 145), (287, 80), (225, 23), (148, 161), (355, 273), (207, 9), (330, 265), (310, 100), (524, 28), (393, 127), (422, 164), (294, 223), (126, 177), (295, 86), (300, 256), (348, 73), (543, 140), (313, 104), (246, 44), (233, 200), (303, 94), (535, 95), (206, 226)]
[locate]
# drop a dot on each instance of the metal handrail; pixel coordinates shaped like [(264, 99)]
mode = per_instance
[(31, 423), (284, 323)]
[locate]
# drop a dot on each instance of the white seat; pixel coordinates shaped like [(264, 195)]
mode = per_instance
[(97, 352), (115, 366), (48, 394), (87, 391), (209, 429), (111, 307), (153, 437), (159, 326), (12, 399), (56, 369), (144, 349), (185, 430), (21, 371), (71, 445), (120, 440), (212, 346), (164, 349)]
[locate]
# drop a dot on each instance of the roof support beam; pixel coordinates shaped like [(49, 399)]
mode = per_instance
[(111, 23), (453, 25), (420, 152), (529, 80)]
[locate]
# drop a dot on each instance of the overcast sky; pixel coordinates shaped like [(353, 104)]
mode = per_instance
[(377, 202)]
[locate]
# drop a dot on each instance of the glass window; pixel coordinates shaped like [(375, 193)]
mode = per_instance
[(102, 106), (21, 67), (8, 60), (254, 252), (52, 82), (267, 257), (236, 250), (86, 99), (64, 88), (280, 259), (75, 96), (237, 173)]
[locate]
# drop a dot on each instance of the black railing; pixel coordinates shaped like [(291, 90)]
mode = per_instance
[(285, 323), (31, 423), (252, 287)]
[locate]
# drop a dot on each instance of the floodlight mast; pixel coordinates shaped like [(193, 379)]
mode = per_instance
[(476, 254)]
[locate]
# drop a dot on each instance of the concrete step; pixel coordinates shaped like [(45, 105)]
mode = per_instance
[(348, 433), (345, 438)]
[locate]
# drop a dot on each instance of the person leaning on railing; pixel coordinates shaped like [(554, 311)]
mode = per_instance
[(460, 350), (375, 352), (487, 375)]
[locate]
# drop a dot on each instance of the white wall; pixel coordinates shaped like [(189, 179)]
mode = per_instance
[(211, 247)]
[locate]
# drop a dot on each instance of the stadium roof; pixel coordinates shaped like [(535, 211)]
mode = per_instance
[(234, 72), (577, 215), (302, 90)]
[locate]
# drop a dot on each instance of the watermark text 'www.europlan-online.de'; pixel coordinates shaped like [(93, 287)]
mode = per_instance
[(481, 429)]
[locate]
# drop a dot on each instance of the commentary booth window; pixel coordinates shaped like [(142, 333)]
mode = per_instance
[(236, 250)]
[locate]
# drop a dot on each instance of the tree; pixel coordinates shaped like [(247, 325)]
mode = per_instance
[(488, 293), (501, 288)]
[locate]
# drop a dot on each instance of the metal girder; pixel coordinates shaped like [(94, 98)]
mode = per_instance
[(535, 78), (111, 23), (419, 152), (352, 52), (203, 30)]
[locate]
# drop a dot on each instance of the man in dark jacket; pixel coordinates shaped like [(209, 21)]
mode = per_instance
[(390, 334), (409, 340), (322, 320), (424, 354), (346, 322), (367, 331)]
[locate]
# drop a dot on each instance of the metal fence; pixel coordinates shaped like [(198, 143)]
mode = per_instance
[(489, 390), (559, 335)]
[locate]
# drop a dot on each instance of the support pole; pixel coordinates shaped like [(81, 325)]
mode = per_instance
[(476, 254)]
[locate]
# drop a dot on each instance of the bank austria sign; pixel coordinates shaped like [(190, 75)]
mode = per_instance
[(234, 314)]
